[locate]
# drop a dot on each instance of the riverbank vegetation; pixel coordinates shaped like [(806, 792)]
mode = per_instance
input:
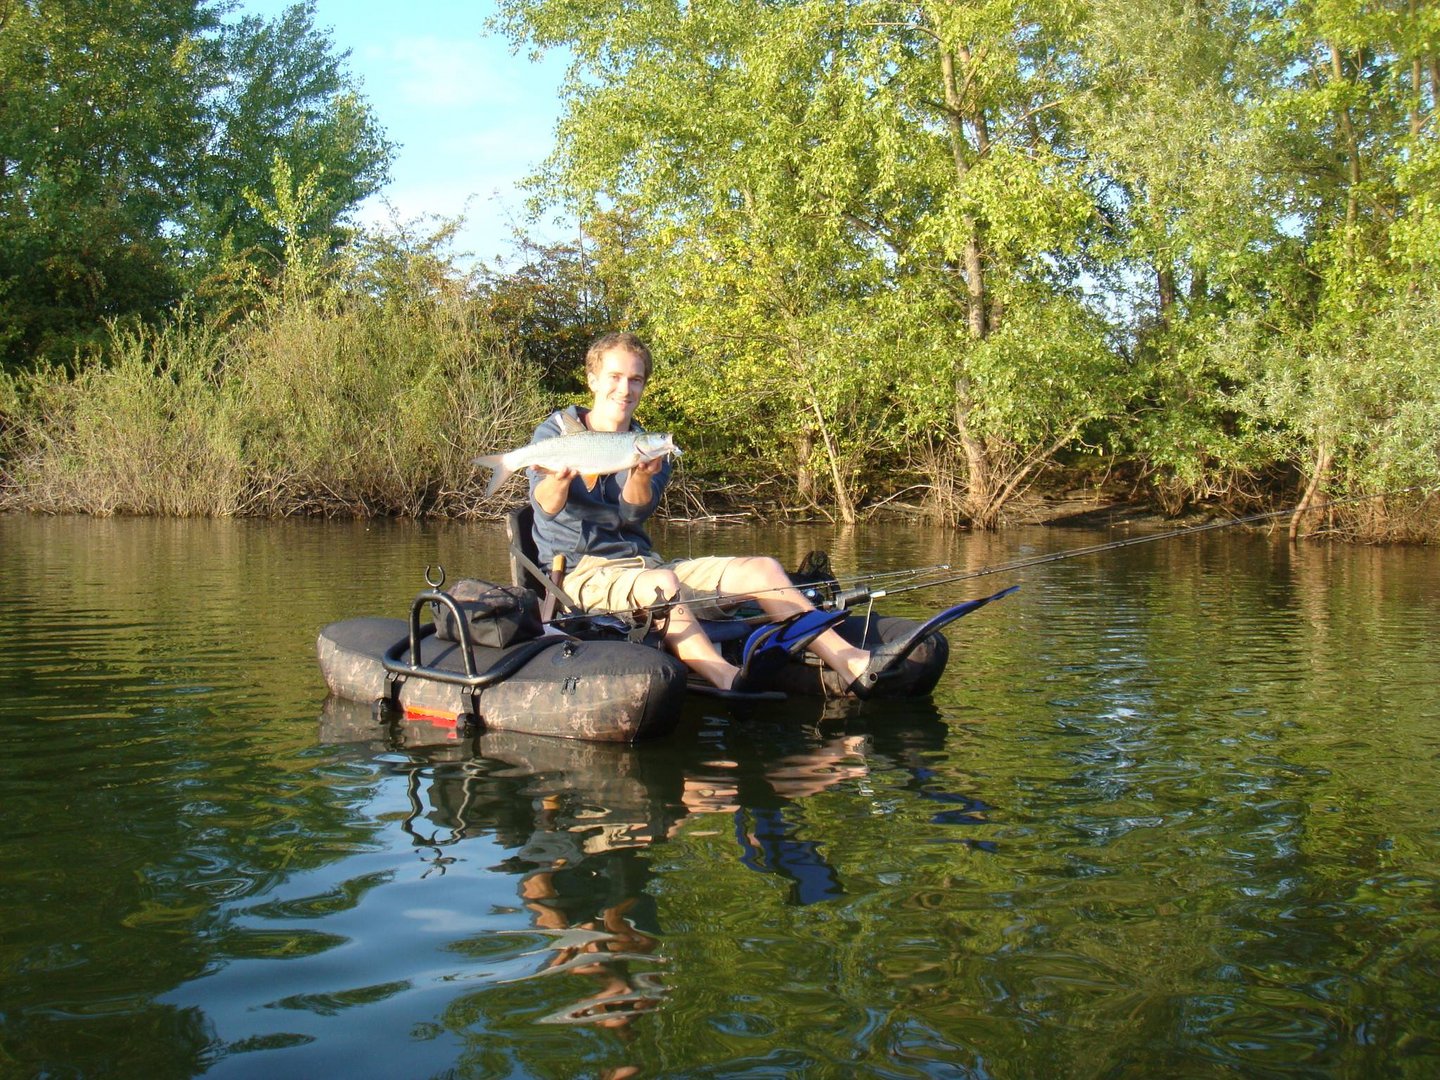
[(932, 256)]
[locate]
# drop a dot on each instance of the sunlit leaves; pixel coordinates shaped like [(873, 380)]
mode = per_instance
[(128, 134)]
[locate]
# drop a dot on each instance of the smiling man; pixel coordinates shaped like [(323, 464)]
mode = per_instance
[(611, 564)]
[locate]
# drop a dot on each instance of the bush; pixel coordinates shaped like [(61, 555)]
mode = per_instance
[(337, 407)]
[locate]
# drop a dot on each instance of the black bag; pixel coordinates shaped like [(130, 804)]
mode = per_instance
[(497, 615)]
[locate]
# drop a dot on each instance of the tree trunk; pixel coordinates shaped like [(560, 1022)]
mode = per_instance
[(1417, 81), (1165, 287), (979, 500), (979, 481), (1199, 284), (842, 490), (1352, 149), (956, 116), (805, 479), (1313, 497)]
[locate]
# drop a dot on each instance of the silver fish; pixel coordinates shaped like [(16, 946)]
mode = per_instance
[(591, 453)]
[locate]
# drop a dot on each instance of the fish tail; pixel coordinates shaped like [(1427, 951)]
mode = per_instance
[(500, 471)]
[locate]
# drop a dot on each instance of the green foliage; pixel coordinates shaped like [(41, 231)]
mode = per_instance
[(865, 228), (879, 248), (128, 134), (329, 404), (1363, 387), (98, 128), (562, 297), (146, 432), (816, 218), (350, 409), (287, 123)]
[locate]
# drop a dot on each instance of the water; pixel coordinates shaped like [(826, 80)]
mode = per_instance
[(1171, 812)]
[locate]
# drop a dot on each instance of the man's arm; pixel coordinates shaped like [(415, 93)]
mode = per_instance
[(639, 489), (640, 496), (552, 490)]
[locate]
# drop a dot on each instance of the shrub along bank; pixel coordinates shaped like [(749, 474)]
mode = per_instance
[(320, 407), (354, 405)]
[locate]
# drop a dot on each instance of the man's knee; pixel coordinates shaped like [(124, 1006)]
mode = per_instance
[(755, 571), (656, 587)]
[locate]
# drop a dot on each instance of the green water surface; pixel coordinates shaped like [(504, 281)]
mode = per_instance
[(1174, 810)]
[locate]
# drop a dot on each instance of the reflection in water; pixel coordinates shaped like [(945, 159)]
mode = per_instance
[(762, 811), (573, 817), (768, 844), (577, 819), (1171, 812)]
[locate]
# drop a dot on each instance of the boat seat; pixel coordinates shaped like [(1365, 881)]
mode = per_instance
[(526, 572), (525, 569)]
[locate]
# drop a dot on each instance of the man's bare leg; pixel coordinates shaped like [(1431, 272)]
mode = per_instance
[(683, 634), (764, 579)]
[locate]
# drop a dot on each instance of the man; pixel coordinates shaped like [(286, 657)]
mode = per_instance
[(612, 566)]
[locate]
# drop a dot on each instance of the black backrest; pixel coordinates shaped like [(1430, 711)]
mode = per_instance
[(518, 529)]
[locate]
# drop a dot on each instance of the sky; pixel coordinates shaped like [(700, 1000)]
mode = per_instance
[(469, 117)]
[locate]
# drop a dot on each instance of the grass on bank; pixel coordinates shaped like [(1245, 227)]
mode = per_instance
[(341, 409)]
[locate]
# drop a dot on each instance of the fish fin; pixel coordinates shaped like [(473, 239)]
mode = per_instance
[(499, 471), (590, 480), (569, 425)]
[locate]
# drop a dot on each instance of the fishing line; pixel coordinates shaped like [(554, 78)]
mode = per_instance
[(1095, 549), (845, 597)]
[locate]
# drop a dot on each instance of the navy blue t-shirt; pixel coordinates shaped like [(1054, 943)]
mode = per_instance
[(593, 522)]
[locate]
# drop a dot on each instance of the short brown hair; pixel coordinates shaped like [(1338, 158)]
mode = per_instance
[(620, 339)]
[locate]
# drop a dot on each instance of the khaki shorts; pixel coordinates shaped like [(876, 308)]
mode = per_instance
[(609, 584)]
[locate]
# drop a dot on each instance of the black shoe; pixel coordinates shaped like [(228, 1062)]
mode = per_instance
[(885, 660)]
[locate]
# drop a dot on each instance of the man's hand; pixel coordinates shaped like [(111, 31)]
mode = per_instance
[(553, 490), (638, 489)]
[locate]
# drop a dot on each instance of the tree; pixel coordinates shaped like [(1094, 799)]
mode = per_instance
[(1353, 117), (128, 134), (1173, 151), (560, 298), (286, 98), (99, 131), (841, 202)]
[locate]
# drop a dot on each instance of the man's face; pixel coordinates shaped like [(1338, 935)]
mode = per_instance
[(617, 386)]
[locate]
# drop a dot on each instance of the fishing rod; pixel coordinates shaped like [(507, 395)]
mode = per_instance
[(827, 578), (844, 598), (813, 590)]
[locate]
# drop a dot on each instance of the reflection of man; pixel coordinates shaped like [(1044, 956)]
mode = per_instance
[(611, 565), (765, 829), (612, 939)]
